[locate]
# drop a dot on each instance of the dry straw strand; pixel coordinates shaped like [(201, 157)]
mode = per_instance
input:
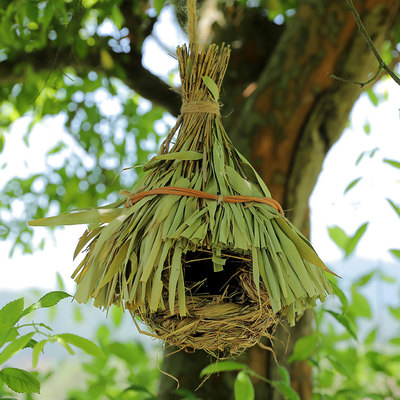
[(192, 21)]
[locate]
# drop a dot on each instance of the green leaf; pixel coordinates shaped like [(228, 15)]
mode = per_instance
[(2, 141), (38, 348), (15, 346), (338, 235), (211, 86), (19, 380), (339, 366), (347, 243), (342, 297), (360, 157), (360, 306), (32, 26), (288, 392), (84, 344), (396, 207), (48, 300), (395, 252), (373, 97), (388, 279), (284, 386), (367, 128), (370, 339), (106, 60), (186, 394), (64, 344), (351, 245), (93, 216), (158, 5), (344, 320), (60, 146), (31, 344), (351, 185), (60, 282), (10, 312), (303, 348), (363, 280), (243, 387), (7, 334), (118, 17), (395, 312), (373, 152), (284, 373), (117, 315), (140, 389), (395, 341), (222, 366), (52, 298), (393, 163)]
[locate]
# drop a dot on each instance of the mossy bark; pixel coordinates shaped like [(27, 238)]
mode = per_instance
[(285, 122)]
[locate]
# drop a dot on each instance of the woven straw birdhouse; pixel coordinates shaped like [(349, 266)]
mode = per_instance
[(199, 251)]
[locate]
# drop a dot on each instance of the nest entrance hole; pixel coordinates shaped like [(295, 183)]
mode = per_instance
[(201, 279)]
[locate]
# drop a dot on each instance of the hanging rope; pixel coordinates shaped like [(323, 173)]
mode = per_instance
[(192, 21)]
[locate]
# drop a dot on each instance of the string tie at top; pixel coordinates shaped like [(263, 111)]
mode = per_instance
[(193, 107)]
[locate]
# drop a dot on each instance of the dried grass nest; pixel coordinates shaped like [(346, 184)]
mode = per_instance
[(225, 323), (198, 250)]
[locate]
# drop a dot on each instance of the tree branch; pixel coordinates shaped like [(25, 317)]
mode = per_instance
[(361, 84), (148, 85), (370, 43), (137, 77)]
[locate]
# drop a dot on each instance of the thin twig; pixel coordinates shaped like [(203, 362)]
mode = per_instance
[(361, 84), (370, 43)]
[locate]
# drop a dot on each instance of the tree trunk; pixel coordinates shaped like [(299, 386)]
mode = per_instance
[(286, 122)]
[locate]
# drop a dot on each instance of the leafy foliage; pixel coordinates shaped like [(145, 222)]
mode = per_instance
[(105, 121), (103, 375), (350, 365), (243, 387), (13, 339)]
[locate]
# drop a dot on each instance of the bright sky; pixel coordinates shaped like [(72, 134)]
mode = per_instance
[(365, 202)]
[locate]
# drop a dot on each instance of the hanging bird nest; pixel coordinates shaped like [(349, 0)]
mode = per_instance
[(199, 251), (229, 317)]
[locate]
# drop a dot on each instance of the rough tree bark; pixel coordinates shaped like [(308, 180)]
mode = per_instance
[(286, 121)]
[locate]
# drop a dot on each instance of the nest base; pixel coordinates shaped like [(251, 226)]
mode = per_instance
[(223, 323)]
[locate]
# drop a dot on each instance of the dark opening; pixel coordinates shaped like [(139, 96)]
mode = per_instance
[(201, 279)]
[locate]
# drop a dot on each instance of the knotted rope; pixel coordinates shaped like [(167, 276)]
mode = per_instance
[(208, 107), (204, 106)]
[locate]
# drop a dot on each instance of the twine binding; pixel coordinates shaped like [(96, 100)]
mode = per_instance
[(207, 107), (174, 190)]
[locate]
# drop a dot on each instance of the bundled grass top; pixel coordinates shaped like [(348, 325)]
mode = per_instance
[(198, 250)]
